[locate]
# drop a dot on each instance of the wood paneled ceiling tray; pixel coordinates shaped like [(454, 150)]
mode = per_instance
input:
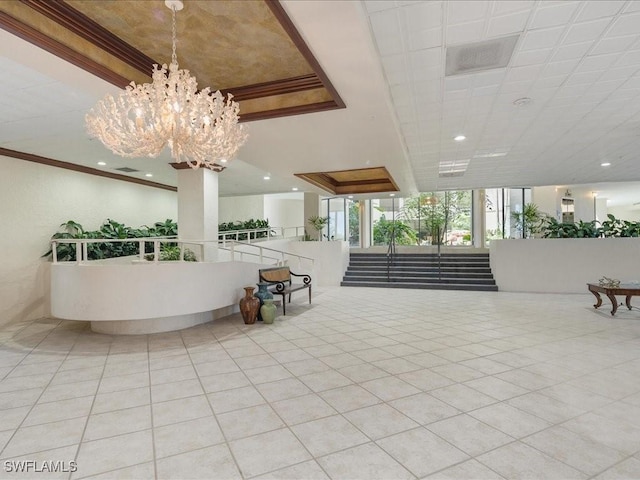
[(248, 48), (344, 182)]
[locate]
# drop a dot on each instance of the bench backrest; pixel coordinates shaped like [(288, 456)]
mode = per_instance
[(278, 274)]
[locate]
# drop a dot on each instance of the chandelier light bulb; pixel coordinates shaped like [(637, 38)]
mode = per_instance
[(200, 127)]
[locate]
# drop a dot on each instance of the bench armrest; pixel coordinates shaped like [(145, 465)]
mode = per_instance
[(280, 286), (305, 278)]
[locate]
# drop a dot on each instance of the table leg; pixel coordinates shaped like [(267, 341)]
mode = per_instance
[(628, 301), (598, 299), (614, 303)]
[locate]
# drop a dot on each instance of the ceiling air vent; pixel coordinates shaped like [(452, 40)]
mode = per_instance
[(127, 170), (476, 57)]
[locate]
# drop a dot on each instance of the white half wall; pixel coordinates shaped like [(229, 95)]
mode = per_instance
[(563, 265), (35, 199)]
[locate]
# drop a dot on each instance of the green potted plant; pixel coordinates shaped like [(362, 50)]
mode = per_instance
[(318, 223), (530, 220)]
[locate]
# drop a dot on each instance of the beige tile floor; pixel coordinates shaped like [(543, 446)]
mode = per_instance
[(363, 384)]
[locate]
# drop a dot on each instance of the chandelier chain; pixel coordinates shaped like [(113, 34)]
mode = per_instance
[(174, 37)]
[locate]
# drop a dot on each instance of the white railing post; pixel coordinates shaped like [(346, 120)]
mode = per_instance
[(156, 251), (141, 246), (233, 252), (181, 252), (54, 251), (85, 251), (78, 252)]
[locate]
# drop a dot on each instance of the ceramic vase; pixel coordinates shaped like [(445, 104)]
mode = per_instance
[(263, 293), (268, 310), (249, 306)]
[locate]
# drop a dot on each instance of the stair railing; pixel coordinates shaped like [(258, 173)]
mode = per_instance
[(391, 251)]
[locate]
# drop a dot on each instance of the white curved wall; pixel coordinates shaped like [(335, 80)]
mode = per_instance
[(146, 290), (34, 200)]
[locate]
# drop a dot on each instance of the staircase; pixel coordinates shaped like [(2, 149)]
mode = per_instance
[(449, 271)]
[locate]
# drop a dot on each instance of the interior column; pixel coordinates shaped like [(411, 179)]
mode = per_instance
[(198, 209)]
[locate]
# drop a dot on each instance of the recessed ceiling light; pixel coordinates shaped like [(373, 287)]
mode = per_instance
[(605, 164), (392, 194), (459, 138), (350, 196), (267, 177), (148, 174), (295, 189), (102, 164)]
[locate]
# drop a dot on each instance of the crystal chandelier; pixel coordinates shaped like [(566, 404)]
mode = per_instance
[(199, 127)]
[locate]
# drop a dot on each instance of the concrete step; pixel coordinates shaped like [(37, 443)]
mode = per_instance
[(425, 286)]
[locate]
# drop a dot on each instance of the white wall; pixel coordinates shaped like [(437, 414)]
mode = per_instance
[(35, 199), (563, 265), (628, 212), (284, 211), (232, 209)]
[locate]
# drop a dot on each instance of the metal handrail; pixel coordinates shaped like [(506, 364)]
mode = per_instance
[(281, 259), (391, 251)]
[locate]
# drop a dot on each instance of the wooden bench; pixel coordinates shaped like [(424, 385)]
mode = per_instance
[(280, 278)]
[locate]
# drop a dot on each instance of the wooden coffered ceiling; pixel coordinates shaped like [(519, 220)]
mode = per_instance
[(249, 48), (354, 181)]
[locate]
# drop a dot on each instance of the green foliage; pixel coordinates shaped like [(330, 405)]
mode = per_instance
[(170, 253), (250, 224), (612, 227), (318, 223), (531, 219), (434, 212), (354, 223), (111, 230), (383, 228)]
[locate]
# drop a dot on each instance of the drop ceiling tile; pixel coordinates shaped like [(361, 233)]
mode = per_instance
[(458, 82), (597, 62), (614, 44), (626, 25), (492, 77), (386, 28), (557, 14), (425, 39), (599, 8), (531, 57), (606, 87), (543, 38), (427, 90), (569, 52), (629, 58), (462, 33), (507, 24), (571, 91), (517, 74), (486, 91), (422, 16), (632, 7), (465, 11), (586, 31), (379, 5), (554, 69), (512, 6)]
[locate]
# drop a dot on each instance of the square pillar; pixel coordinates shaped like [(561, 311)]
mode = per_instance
[(198, 209)]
